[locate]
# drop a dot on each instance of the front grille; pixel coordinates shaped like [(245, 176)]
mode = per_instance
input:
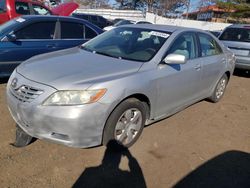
[(25, 93)]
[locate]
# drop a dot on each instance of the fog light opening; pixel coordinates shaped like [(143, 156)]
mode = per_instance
[(60, 136)]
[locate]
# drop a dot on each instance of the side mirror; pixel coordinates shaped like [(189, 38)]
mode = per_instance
[(11, 37), (175, 59)]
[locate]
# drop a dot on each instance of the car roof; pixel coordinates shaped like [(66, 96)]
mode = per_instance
[(85, 14), (166, 28), (53, 17), (240, 26), (44, 17)]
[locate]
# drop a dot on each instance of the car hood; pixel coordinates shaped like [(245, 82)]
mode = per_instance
[(75, 68), (65, 9)]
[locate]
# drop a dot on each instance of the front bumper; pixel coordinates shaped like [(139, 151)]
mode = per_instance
[(76, 126), (242, 62)]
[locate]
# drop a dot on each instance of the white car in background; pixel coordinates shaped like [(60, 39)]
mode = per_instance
[(125, 22)]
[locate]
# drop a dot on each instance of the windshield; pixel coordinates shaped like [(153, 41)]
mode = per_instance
[(123, 22), (2, 6), (128, 43), (236, 34)]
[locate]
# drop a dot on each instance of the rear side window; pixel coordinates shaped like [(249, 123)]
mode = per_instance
[(209, 46), (184, 45), (39, 10), (41, 30), (2, 6), (89, 33), (236, 34), (22, 8), (71, 30)]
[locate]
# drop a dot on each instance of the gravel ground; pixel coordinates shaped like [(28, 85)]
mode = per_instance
[(205, 145)]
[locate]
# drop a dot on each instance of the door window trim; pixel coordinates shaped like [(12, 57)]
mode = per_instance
[(199, 45)]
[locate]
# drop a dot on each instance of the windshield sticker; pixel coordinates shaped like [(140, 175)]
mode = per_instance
[(159, 34), (20, 20)]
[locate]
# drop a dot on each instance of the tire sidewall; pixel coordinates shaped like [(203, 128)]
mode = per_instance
[(214, 98), (110, 125)]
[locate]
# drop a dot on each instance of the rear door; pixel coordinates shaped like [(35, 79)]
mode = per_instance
[(32, 39), (213, 61)]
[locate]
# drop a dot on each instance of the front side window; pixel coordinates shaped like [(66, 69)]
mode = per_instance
[(128, 43), (39, 10), (2, 6), (184, 45), (236, 34), (22, 8), (41, 30), (209, 46), (71, 30)]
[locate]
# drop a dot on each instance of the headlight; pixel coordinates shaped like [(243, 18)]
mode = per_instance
[(75, 97)]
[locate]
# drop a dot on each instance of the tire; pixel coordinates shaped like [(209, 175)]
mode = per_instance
[(22, 138), (126, 122), (219, 89)]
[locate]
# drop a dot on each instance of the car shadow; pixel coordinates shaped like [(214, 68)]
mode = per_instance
[(108, 174), (242, 73), (230, 170), (3, 80)]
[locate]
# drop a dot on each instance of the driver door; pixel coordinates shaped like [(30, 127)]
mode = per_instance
[(179, 85)]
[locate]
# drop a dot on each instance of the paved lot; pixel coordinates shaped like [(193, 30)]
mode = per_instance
[(205, 145)]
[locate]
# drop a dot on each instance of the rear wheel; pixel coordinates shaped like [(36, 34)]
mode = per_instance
[(219, 89), (125, 123)]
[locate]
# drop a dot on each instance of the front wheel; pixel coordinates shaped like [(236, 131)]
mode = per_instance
[(22, 138), (219, 89), (125, 123)]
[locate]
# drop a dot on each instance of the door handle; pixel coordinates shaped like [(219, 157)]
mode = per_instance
[(51, 46), (197, 67)]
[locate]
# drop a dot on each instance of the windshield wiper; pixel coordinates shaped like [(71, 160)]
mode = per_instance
[(102, 53)]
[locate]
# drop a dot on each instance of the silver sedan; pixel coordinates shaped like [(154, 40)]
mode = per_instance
[(114, 85)]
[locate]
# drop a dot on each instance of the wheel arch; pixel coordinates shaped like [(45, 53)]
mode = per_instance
[(228, 74), (139, 96)]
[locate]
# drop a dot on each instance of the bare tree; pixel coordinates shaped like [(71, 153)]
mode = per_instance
[(94, 3)]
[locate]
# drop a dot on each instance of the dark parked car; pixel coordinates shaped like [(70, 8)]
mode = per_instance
[(26, 36), (94, 19)]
